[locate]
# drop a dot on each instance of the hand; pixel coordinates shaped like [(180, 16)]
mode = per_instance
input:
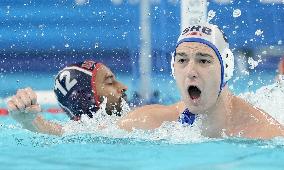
[(23, 107)]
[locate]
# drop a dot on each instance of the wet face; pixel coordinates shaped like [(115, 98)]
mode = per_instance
[(198, 76), (107, 86)]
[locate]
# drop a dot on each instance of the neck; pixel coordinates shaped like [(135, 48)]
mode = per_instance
[(217, 118)]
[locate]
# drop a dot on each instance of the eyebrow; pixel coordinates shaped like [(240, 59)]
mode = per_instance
[(204, 55), (183, 54)]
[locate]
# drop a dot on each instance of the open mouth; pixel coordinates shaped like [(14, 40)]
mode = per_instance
[(194, 92)]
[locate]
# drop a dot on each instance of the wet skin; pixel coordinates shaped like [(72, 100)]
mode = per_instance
[(197, 65), (107, 86)]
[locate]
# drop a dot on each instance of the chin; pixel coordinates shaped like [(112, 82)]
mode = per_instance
[(196, 109)]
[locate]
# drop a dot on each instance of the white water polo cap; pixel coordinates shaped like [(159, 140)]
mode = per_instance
[(213, 37)]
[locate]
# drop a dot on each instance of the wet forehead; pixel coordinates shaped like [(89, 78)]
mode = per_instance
[(195, 47), (103, 73), (106, 70)]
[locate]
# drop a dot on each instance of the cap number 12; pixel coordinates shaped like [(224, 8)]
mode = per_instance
[(68, 84)]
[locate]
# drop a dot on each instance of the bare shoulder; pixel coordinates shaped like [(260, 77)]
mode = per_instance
[(241, 108), (253, 121)]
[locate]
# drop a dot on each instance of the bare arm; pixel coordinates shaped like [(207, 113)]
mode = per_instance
[(149, 117), (23, 107)]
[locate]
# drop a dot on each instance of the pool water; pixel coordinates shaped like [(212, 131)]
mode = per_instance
[(169, 147), (21, 149)]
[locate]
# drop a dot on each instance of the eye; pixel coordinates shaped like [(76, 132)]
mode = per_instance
[(109, 81), (181, 60), (204, 61)]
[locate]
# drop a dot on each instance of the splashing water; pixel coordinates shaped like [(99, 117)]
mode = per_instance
[(270, 99), (258, 32), (237, 13), (104, 125), (253, 63), (211, 15)]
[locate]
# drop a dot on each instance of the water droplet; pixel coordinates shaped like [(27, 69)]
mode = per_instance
[(250, 83), (258, 32), (211, 15), (237, 13), (81, 2), (66, 45), (253, 63)]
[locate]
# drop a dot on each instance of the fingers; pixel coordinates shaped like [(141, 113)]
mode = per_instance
[(18, 103), (33, 109), (24, 98), (11, 106), (32, 95)]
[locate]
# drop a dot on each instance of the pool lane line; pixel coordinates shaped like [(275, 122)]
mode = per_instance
[(5, 112)]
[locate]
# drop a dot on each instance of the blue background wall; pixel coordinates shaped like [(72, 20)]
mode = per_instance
[(45, 35)]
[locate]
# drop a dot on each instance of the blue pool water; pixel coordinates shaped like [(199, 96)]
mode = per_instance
[(24, 150), (166, 148)]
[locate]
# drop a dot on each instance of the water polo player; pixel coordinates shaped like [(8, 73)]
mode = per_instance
[(202, 65), (80, 89)]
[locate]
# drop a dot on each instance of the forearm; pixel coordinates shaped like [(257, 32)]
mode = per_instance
[(144, 122), (148, 117), (47, 127)]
